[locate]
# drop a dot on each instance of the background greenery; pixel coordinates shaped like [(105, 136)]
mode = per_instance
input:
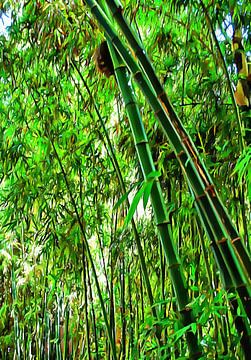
[(72, 283)]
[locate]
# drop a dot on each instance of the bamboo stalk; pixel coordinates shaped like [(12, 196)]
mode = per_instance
[(85, 241), (85, 286), (209, 190), (157, 200), (93, 314), (123, 308), (241, 324), (111, 339), (192, 167), (116, 166)]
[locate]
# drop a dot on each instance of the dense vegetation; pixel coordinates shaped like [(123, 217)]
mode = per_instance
[(125, 213)]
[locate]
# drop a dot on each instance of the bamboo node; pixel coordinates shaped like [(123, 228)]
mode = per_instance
[(180, 153), (186, 310), (222, 240), (185, 139), (164, 222), (235, 239), (198, 197), (160, 96), (187, 142), (210, 189)]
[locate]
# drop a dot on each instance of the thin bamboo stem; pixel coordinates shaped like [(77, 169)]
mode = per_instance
[(116, 166)]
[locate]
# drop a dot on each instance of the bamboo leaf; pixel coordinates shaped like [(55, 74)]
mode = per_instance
[(181, 332), (124, 197), (147, 192), (135, 203), (150, 178), (153, 175)]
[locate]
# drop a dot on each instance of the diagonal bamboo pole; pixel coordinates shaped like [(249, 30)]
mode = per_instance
[(238, 267), (209, 189), (241, 323)]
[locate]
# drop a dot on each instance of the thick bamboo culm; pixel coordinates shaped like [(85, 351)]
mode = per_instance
[(190, 163)]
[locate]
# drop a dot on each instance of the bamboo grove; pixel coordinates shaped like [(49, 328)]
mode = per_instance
[(125, 198)]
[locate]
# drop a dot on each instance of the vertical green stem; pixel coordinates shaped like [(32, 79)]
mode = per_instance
[(162, 220)]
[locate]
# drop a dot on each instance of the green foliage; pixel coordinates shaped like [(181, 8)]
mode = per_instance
[(144, 191), (50, 126), (243, 169)]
